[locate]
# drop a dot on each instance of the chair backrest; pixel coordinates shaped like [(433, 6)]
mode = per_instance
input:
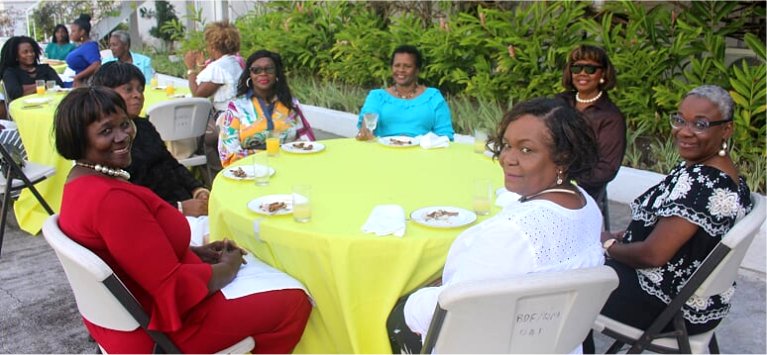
[(738, 239), (106, 53), (180, 118), (548, 312), (86, 273)]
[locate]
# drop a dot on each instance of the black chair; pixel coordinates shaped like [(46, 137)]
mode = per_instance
[(18, 174), (714, 276)]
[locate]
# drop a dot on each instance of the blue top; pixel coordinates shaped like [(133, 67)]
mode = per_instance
[(83, 56), (425, 113), (141, 61)]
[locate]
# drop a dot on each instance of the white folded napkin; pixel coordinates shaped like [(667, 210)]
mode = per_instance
[(431, 140), (505, 197), (385, 220)]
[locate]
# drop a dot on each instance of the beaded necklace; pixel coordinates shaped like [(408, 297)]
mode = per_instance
[(120, 173)]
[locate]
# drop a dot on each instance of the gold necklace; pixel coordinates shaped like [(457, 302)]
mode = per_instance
[(409, 95), (528, 198)]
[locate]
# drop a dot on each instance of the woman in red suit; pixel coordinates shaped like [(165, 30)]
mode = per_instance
[(146, 242)]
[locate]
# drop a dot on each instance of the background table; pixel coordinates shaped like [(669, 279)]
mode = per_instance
[(36, 129), (355, 278)]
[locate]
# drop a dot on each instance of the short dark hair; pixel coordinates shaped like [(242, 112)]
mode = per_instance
[(9, 55), (406, 48), (594, 53), (573, 145), (56, 29), (77, 111), (84, 22), (281, 87), (116, 73)]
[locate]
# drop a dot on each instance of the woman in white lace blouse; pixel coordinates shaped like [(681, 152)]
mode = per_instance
[(541, 145)]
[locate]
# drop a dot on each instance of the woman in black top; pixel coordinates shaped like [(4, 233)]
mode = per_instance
[(152, 165), (19, 67), (587, 77)]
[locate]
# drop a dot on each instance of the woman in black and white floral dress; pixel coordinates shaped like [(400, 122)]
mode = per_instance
[(676, 223)]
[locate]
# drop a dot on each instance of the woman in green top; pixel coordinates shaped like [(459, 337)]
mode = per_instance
[(60, 45)]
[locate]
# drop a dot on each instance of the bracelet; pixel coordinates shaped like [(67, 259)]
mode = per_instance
[(199, 191), (180, 207), (190, 72), (607, 244)]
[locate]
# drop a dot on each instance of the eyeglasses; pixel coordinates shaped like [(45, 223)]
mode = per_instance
[(699, 125), (259, 70), (590, 69)]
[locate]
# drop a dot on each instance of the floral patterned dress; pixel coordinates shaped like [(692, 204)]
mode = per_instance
[(704, 196)]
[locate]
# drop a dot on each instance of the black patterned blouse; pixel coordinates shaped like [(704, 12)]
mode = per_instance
[(706, 197)]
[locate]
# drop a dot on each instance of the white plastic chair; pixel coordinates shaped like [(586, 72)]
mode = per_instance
[(102, 298), (20, 177), (714, 276), (547, 312), (180, 119)]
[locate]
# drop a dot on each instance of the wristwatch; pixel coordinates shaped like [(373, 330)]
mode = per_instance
[(607, 244)]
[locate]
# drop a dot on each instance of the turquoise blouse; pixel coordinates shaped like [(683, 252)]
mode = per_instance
[(425, 113)]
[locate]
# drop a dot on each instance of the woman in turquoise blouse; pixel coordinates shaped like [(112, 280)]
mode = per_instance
[(60, 45), (406, 108)]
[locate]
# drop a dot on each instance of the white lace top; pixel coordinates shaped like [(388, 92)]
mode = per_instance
[(224, 71), (525, 237)]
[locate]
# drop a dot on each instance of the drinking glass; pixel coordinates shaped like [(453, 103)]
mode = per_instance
[(40, 87), (50, 85), (154, 82), (302, 207), (261, 168), (370, 120), (170, 89), (273, 144), (482, 197), (480, 140)]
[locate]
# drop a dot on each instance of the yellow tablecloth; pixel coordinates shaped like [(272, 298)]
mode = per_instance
[(58, 65), (355, 278), (36, 129)]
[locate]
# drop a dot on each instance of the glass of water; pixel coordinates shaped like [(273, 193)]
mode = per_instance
[(261, 168), (370, 120)]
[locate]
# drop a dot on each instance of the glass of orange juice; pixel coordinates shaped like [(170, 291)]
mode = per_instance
[(40, 87), (273, 144), (482, 198), (170, 89)]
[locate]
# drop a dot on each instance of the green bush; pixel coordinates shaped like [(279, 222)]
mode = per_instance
[(486, 56)]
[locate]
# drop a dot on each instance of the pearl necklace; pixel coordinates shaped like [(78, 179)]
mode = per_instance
[(587, 101), (120, 173), (409, 95)]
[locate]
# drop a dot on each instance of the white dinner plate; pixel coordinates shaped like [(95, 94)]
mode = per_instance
[(60, 89), (36, 101), (303, 147), (399, 141), (260, 205), (463, 218), (249, 171)]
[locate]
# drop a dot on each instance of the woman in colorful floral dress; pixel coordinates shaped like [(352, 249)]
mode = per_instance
[(263, 106), (677, 223)]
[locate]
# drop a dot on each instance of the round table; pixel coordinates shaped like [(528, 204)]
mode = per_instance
[(354, 278), (35, 125)]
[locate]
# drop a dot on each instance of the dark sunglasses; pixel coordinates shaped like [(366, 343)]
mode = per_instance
[(259, 70), (699, 125), (590, 69)]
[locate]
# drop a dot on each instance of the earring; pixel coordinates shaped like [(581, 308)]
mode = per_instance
[(723, 151), (248, 82), (559, 177), (601, 80)]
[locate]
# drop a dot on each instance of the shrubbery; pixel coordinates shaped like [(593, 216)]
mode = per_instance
[(486, 59)]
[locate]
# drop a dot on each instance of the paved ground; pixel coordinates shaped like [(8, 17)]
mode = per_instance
[(38, 312)]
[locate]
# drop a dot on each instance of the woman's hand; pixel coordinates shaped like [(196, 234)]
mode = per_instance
[(195, 207), (230, 258), (364, 134), (208, 253), (607, 235), (201, 193), (191, 59)]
